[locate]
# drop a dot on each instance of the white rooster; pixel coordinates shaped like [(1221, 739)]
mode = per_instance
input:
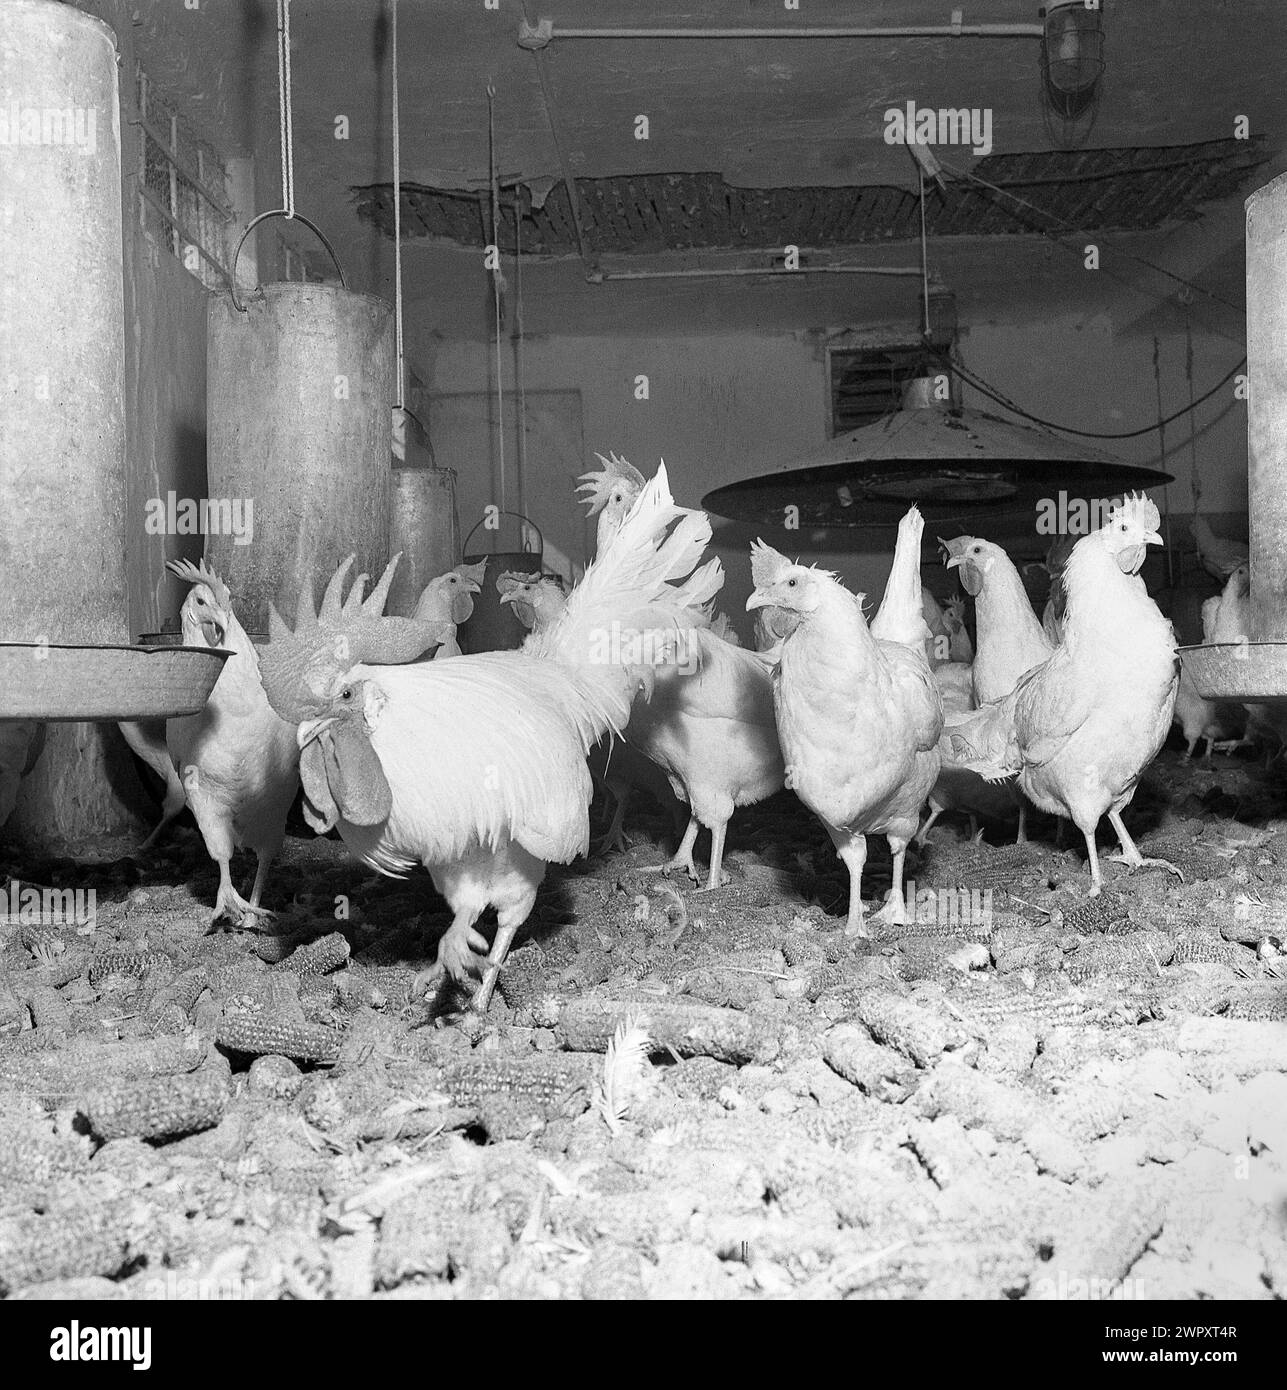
[(1079, 729), (237, 760), (449, 599), (476, 768), (858, 712)]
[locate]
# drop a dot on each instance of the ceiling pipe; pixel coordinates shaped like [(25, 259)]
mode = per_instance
[(598, 276), (541, 34)]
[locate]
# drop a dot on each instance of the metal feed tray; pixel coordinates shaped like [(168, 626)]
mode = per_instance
[(54, 682), (1242, 671)]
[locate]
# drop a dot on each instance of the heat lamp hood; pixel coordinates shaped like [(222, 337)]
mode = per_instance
[(956, 463)]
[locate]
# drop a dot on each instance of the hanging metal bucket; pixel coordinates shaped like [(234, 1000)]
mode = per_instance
[(424, 527), (300, 389), (493, 626)]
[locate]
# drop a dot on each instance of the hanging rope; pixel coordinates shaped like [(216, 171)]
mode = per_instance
[(397, 219), (519, 349), (1161, 458), (497, 282), (285, 120)]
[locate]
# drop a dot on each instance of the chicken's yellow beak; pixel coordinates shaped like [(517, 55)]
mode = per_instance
[(509, 597), (953, 561), (1152, 538), (759, 599)]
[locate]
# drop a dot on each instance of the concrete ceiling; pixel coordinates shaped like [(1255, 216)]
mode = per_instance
[(764, 113)]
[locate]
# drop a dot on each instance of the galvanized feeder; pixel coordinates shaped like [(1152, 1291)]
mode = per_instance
[(1256, 670), (955, 462)]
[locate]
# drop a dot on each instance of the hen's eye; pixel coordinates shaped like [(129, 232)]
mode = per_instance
[(791, 583)]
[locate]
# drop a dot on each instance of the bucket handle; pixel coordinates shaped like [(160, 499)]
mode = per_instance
[(526, 520), (263, 217)]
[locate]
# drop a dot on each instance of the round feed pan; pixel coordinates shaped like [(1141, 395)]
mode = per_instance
[(175, 639), (54, 682), (1242, 671)]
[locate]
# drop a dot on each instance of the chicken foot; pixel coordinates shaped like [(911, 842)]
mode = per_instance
[(717, 878), (615, 836), (239, 911), (683, 856), (1129, 853)]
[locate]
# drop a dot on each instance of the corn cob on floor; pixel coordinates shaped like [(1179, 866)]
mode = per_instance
[(1018, 1094)]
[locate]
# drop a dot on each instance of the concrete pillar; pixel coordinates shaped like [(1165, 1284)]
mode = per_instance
[(1267, 413)]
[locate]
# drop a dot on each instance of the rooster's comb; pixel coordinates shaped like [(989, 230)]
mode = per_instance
[(477, 571), (955, 607), (767, 564), (599, 483), (300, 667), (201, 573), (1139, 508)]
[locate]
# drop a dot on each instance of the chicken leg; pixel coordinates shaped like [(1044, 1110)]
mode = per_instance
[(507, 924), (229, 903), (935, 813), (717, 878), (615, 836), (852, 850), (895, 909), (1129, 853)]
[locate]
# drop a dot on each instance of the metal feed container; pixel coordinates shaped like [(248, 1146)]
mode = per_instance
[(424, 526), (300, 387), (62, 397), (493, 626)]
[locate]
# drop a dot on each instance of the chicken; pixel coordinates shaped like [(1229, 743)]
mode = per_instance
[(1079, 729), (147, 740), (858, 713), (1010, 643), (21, 743), (611, 492), (615, 766), (960, 648), (1218, 556), (710, 728), (449, 599), (536, 599), (476, 768), (237, 760)]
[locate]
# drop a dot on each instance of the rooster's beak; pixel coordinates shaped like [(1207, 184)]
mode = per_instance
[(509, 597), (953, 561), (1152, 538), (759, 599), (309, 730)]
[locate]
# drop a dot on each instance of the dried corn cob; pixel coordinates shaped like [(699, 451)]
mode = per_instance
[(1168, 917), (1015, 948), (31, 1154), (66, 1071), (551, 1083), (318, 957), (261, 1034), (130, 963), (1195, 860), (1111, 1234), (979, 1102), (913, 1030), (42, 936), (1098, 914), (182, 993), (158, 1107), (1262, 1003), (1135, 953), (1251, 922), (1211, 950), (61, 1245), (690, 1030), (60, 970), (48, 1008), (799, 949), (876, 1070)]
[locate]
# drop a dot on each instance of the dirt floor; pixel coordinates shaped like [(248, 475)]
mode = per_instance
[(1028, 1099)]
